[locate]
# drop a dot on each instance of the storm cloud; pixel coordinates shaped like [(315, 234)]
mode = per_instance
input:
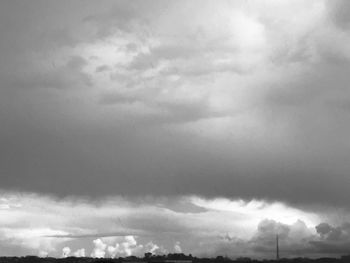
[(236, 100)]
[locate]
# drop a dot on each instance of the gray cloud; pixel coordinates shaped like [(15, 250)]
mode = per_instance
[(333, 240), (295, 240), (340, 11), (139, 105)]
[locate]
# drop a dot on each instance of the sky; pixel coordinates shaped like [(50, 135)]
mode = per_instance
[(202, 127)]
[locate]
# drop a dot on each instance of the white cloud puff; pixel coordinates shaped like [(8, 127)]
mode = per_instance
[(126, 246), (66, 252), (99, 250), (177, 247), (79, 253)]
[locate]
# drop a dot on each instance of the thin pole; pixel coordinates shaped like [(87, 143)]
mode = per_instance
[(277, 249)]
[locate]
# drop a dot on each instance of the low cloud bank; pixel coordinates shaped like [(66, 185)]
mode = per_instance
[(120, 227)]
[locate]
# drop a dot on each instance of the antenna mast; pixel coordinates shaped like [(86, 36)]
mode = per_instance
[(277, 249)]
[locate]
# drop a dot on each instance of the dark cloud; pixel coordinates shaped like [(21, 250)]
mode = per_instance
[(154, 101), (323, 229), (172, 113), (102, 68), (340, 12), (333, 240)]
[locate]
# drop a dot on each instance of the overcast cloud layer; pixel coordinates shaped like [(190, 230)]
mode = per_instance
[(240, 100)]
